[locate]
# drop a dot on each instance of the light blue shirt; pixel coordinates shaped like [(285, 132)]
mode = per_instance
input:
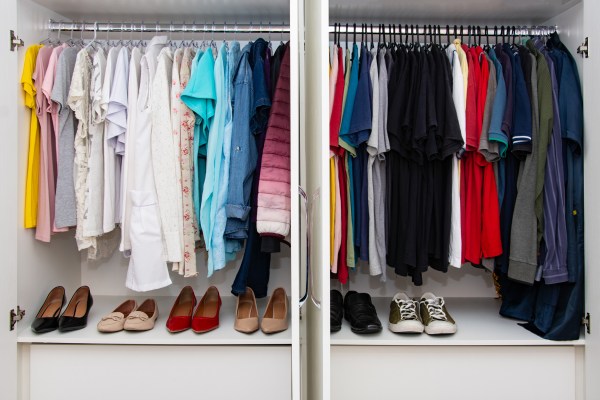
[(200, 96), (214, 195)]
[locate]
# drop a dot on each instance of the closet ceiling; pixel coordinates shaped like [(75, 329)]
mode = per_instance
[(276, 11), (447, 11)]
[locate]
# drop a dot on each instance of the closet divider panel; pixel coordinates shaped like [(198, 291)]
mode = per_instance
[(317, 189), (591, 95), (9, 199)]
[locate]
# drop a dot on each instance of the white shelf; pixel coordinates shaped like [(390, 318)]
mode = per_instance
[(224, 335), (477, 319)]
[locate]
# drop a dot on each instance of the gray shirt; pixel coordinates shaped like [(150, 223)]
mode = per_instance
[(65, 204), (489, 149), (523, 238)]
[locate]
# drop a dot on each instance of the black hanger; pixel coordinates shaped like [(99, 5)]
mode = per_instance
[(346, 36), (462, 31), (354, 32), (479, 35), (430, 35), (487, 39), (334, 32)]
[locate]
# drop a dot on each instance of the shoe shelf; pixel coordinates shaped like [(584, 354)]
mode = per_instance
[(223, 335), (477, 319)]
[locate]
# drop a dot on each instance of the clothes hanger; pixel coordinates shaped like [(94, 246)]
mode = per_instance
[(372, 41), (91, 43), (346, 36), (334, 33)]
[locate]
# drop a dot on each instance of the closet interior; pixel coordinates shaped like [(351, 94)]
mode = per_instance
[(201, 359), (483, 341)]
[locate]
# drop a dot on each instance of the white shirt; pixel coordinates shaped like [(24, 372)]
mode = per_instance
[(110, 162), (455, 250), (164, 160)]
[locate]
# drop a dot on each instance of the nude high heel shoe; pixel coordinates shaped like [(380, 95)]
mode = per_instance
[(246, 313), (275, 317)]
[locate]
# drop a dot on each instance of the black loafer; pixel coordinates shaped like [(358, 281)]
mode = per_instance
[(361, 313), (336, 310), (76, 314), (46, 319)]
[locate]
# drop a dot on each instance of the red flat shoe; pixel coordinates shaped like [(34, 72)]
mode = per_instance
[(180, 318), (206, 317)]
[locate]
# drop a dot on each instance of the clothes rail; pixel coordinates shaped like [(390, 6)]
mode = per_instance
[(149, 27), (437, 29)]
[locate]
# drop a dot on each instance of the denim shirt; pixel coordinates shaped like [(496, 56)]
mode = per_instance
[(244, 154), (261, 99)]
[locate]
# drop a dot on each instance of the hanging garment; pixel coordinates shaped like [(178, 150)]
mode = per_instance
[(186, 151), (458, 96), (110, 162), (46, 194), (523, 240), (243, 152), (147, 267), (47, 86), (273, 205), (175, 118), (66, 203), (93, 224), (130, 139), (254, 271), (33, 152), (374, 168), (164, 161), (116, 128), (217, 169), (80, 102), (199, 95)]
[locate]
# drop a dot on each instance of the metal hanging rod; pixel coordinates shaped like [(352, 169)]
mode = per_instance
[(437, 29), (150, 27)]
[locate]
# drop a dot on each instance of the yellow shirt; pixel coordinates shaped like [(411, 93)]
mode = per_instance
[(33, 154), (332, 205)]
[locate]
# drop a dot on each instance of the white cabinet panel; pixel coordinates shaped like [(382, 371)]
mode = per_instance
[(317, 188), (591, 99), (466, 373), (72, 372), (8, 200)]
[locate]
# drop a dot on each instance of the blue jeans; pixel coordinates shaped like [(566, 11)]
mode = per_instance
[(255, 268)]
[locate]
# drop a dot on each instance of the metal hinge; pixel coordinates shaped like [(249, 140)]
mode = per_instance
[(16, 317), (586, 321), (583, 49), (15, 42)]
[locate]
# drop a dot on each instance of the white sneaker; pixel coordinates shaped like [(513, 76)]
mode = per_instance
[(404, 315), (436, 318)]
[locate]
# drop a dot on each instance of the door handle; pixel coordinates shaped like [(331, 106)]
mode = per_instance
[(306, 221)]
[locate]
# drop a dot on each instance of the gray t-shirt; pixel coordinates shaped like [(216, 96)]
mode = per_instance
[(65, 205)]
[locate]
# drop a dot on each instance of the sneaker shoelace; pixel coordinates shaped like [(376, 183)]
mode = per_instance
[(408, 309), (434, 307)]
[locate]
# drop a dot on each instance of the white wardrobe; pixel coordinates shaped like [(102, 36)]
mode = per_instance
[(223, 364), (490, 357)]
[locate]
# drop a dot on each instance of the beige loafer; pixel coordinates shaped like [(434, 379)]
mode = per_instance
[(246, 312), (143, 318), (275, 317), (115, 321)]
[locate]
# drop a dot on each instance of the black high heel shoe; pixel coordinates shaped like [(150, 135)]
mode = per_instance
[(76, 314), (46, 319)]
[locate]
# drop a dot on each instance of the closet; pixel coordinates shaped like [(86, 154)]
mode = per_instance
[(490, 356), (221, 364)]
